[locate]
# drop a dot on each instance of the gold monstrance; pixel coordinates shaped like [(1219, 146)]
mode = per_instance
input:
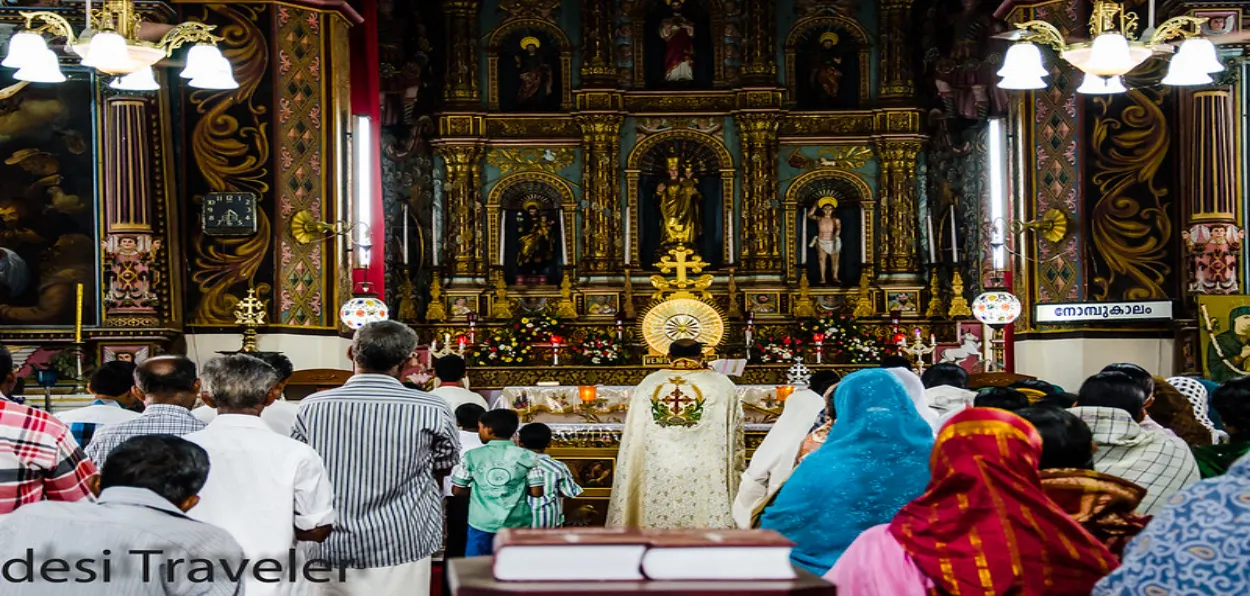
[(250, 313), (682, 314)]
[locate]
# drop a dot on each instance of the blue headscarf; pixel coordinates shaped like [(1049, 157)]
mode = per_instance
[(1197, 545), (874, 461)]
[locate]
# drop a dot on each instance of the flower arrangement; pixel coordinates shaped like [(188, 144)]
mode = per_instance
[(844, 339), (537, 328), (502, 348), (771, 350), (598, 348)]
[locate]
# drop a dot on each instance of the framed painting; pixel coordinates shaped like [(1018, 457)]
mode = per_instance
[(602, 304), (763, 303), (1224, 335), (905, 302), (128, 353), (459, 307), (1219, 22)]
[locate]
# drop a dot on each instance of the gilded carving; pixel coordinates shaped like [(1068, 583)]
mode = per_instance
[(553, 126), (694, 102), (847, 158), (461, 244), (760, 221), (829, 20), (524, 159), (600, 176), (529, 9), (460, 85), (899, 205), (829, 124), (708, 125)]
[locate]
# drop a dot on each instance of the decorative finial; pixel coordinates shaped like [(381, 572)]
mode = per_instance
[(436, 310), (799, 375), (250, 313)]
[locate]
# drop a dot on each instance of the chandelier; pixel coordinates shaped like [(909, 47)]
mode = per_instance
[(110, 45), (1114, 50)]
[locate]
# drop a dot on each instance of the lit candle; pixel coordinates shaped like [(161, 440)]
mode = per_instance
[(819, 338), (933, 256), (78, 318), (462, 342), (587, 393), (954, 239), (620, 326), (932, 339), (446, 338), (555, 350)]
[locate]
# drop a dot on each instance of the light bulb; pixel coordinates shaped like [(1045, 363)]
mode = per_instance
[(107, 52), (41, 67), (22, 46), (140, 80), (1023, 60)]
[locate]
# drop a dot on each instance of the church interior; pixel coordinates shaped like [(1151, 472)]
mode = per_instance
[(557, 190)]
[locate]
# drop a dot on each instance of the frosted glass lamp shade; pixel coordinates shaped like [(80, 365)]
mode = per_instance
[(1110, 54), (1199, 54), (140, 80), (1182, 71), (1096, 85), (22, 47), (201, 59), (219, 75), (1021, 83), (362, 310), (41, 67), (107, 52), (1023, 60), (997, 309)]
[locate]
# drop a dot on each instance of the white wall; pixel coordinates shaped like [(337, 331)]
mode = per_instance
[(1068, 362), (305, 351)]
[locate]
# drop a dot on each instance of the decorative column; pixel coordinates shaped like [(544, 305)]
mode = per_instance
[(896, 52), (460, 88), (759, 61), (462, 242), (130, 248), (759, 219), (1208, 140), (898, 207), (598, 67), (601, 228)]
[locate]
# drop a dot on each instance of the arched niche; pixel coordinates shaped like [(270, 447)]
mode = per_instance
[(647, 167), (805, 52), (855, 210), (508, 62), (514, 206), (710, 44)]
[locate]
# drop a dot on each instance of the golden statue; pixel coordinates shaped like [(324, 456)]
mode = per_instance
[(679, 206), (535, 250)]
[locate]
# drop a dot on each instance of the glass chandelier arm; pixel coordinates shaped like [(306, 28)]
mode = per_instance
[(52, 23), (1042, 32), (186, 33), (1177, 28)]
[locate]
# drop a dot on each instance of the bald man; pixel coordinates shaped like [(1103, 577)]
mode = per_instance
[(169, 387)]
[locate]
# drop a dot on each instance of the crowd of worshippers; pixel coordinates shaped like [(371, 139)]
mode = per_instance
[(186, 480)]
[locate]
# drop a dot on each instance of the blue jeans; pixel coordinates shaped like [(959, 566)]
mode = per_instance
[(479, 543)]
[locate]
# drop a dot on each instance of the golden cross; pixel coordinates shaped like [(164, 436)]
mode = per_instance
[(250, 310), (679, 264)]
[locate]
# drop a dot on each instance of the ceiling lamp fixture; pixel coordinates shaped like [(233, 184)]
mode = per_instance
[(110, 45), (1114, 51)]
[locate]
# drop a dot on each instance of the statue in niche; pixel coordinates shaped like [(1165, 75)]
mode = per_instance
[(826, 76), (678, 34), (680, 220), (828, 238), (535, 249), (958, 47), (535, 75)]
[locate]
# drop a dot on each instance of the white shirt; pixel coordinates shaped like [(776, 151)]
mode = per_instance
[(773, 461), (102, 414), (279, 415), (458, 396), (261, 486), (468, 441)]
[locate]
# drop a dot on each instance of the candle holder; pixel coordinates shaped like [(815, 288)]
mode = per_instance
[(46, 378), (620, 327), (918, 349), (588, 394), (749, 333), (819, 338), (783, 393), (472, 319), (555, 350)]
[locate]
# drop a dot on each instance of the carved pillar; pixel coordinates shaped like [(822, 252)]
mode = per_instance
[(598, 67), (896, 52), (128, 169), (898, 207), (462, 244), (460, 89), (1208, 140), (601, 228), (759, 221), (759, 62)]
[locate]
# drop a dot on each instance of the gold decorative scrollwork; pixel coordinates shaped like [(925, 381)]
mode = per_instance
[(524, 159), (231, 156), (1129, 224), (847, 158)]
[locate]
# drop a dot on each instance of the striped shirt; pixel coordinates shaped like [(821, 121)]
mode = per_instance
[(157, 419), (39, 459), (558, 483), (382, 445)]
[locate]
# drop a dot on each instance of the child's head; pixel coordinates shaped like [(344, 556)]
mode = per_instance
[(535, 436), (497, 425), (467, 416)]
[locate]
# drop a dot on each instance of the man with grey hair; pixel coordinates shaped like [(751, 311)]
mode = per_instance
[(387, 449), (266, 489)]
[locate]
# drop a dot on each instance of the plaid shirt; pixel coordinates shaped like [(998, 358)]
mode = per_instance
[(83, 431), (558, 483), (1160, 463), (38, 459), (157, 419)]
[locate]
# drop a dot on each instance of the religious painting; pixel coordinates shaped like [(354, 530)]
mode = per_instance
[(827, 70), (1219, 22), (126, 353), (529, 72), (904, 302), (967, 349), (532, 247), (831, 226), (1224, 331), (585, 513), (460, 307), (678, 45), (48, 237), (680, 201), (602, 305), (830, 303), (591, 473), (763, 303), (1211, 255)]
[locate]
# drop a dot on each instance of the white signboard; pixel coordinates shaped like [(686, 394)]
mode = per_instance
[(1103, 311)]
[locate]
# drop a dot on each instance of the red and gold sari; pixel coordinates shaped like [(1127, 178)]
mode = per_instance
[(985, 527)]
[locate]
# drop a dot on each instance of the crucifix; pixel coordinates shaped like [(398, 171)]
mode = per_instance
[(679, 400), (250, 313), (682, 261)]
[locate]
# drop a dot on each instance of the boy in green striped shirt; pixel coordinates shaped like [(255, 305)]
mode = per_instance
[(558, 481), (497, 477)]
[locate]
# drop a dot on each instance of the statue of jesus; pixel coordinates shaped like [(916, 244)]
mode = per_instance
[(678, 35), (679, 206), (828, 239)]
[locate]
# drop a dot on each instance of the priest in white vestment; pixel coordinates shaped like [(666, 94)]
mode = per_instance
[(774, 459), (682, 450)]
